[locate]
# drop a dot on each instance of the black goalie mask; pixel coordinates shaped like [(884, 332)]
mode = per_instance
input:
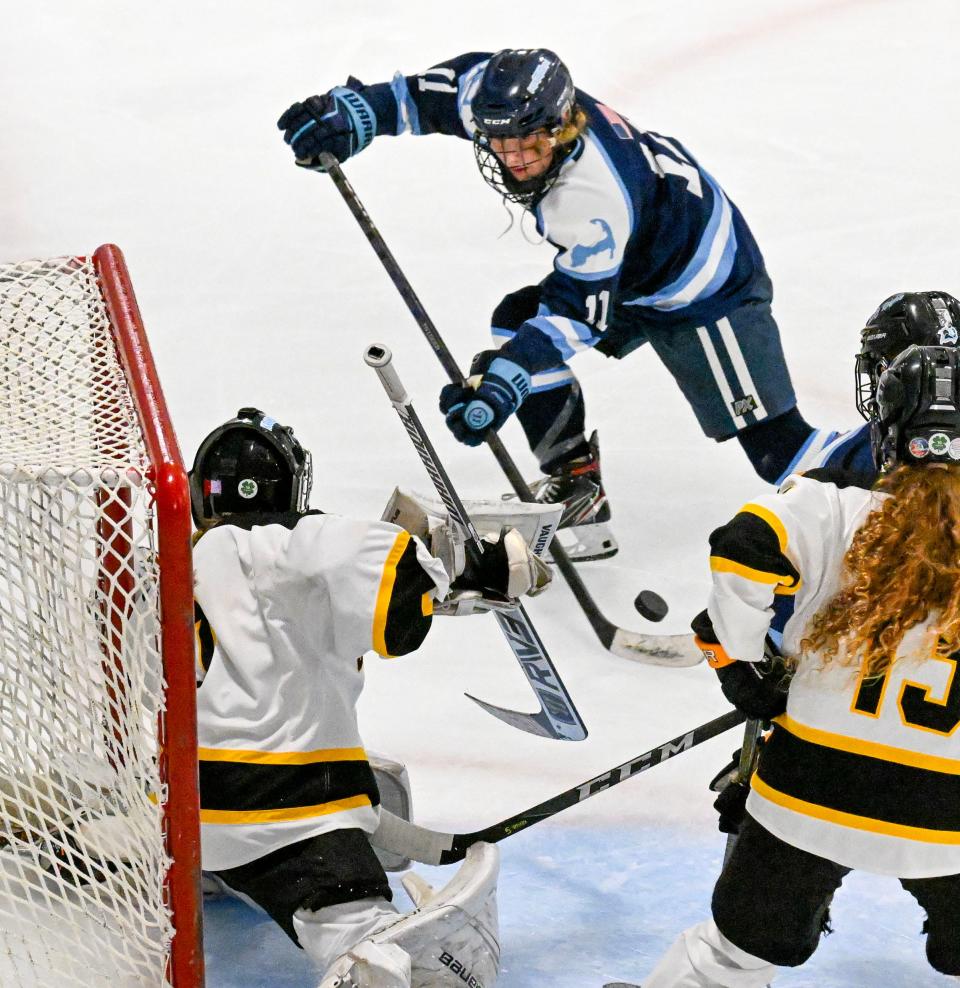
[(521, 92), (921, 318), (917, 410), (249, 465)]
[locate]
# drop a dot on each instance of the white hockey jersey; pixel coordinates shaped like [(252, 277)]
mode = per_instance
[(285, 612), (863, 772)]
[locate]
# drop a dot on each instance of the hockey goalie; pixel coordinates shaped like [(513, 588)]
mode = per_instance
[(288, 600)]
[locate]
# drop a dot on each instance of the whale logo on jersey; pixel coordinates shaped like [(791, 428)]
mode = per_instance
[(581, 253)]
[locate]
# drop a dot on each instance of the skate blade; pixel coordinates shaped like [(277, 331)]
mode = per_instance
[(586, 543)]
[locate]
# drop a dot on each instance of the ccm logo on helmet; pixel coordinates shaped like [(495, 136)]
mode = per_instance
[(495, 121)]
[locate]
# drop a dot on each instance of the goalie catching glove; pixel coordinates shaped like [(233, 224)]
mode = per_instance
[(508, 568)]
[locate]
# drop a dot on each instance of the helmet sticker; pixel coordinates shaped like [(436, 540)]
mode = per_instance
[(947, 336), (918, 448), (954, 450), (939, 443), (247, 488), (212, 487)]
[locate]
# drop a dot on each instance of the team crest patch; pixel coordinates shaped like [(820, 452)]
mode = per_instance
[(743, 405), (947, 335)]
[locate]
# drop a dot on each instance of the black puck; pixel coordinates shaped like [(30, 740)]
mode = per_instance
[(651, 605)]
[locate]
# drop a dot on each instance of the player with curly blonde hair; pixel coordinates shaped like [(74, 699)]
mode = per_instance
[(862, 766)]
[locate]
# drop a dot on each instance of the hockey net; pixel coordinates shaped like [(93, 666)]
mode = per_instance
[(99, 841)]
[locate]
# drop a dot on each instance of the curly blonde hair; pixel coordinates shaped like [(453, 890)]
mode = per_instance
[(902, 566)]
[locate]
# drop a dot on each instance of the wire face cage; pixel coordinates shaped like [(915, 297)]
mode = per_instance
[(99, 846)]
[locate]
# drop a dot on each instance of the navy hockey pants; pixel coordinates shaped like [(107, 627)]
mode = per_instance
[(732, 372)]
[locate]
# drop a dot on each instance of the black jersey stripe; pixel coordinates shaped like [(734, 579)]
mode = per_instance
[(875, 789), (753, 544), (206, 639), (246, 787), (402, 617)]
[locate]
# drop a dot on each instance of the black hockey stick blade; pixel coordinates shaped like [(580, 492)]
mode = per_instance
[(437, 847), (622, 642)]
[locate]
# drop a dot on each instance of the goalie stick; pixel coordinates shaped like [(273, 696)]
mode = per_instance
[(436, 847), (662, 650), (557, 717)]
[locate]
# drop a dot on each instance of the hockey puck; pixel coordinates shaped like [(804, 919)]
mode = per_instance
[(651, 605)]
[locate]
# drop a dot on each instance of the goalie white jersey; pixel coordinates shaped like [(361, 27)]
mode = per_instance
[(285, 612), (863, 772)]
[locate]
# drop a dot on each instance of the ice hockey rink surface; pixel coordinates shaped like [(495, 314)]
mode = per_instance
[(833, 125)]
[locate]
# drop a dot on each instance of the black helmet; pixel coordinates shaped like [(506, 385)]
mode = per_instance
[(921, 318), (521, 91), (917, 409), (249, 465)]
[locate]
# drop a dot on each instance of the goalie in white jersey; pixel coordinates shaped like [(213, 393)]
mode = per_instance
[(862, 767), (288, 601)]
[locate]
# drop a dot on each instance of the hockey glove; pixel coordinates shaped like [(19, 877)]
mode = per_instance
[(758, 689), (507, 568), (341, 122), (495, 390)]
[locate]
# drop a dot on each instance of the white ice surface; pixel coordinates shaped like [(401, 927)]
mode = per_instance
[(831, 124)]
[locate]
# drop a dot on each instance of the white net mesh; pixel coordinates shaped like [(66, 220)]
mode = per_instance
[(82, 857)]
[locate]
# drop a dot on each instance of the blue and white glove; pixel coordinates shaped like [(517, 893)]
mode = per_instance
[(495, 390), (341, 122)]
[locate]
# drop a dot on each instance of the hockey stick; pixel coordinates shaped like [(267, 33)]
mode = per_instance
[(436, 847), (749, 751), (663, 650), (557, 717)]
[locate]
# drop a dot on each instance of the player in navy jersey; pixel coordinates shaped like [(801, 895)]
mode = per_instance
[(861, 768), (649, 250)]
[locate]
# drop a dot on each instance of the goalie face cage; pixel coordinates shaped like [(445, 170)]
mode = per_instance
[(99, 831)]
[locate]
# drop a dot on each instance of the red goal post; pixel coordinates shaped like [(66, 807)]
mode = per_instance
[(99, 809)]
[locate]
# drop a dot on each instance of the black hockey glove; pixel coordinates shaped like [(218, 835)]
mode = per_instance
[(758, 689), (507, 568), (495, 390), (341, 122), (731, 801)]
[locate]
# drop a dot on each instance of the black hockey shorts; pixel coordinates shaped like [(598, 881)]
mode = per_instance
[(325, 870), (773, 900)]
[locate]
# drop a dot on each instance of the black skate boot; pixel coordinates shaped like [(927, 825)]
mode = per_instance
[(584, 529)]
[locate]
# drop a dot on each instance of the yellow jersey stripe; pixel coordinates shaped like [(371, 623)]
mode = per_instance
[(872, 749), (720, 564), (385, 592), (851, 819), (284, 815), (250, 757)]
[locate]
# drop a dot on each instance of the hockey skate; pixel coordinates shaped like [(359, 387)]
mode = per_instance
[(584, 529), (450, 940)]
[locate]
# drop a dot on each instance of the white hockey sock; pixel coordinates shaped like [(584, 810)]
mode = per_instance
[(702, 957), (327, 933)]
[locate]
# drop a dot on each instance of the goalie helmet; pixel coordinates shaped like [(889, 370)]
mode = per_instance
[(917, 409), (921, 318), (520, 92), (249, 465)]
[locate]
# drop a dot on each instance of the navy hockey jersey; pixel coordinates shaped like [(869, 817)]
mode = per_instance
[(643, 234)]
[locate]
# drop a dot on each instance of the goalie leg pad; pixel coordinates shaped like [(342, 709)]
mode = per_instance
[(333, 932), (452, 938)]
